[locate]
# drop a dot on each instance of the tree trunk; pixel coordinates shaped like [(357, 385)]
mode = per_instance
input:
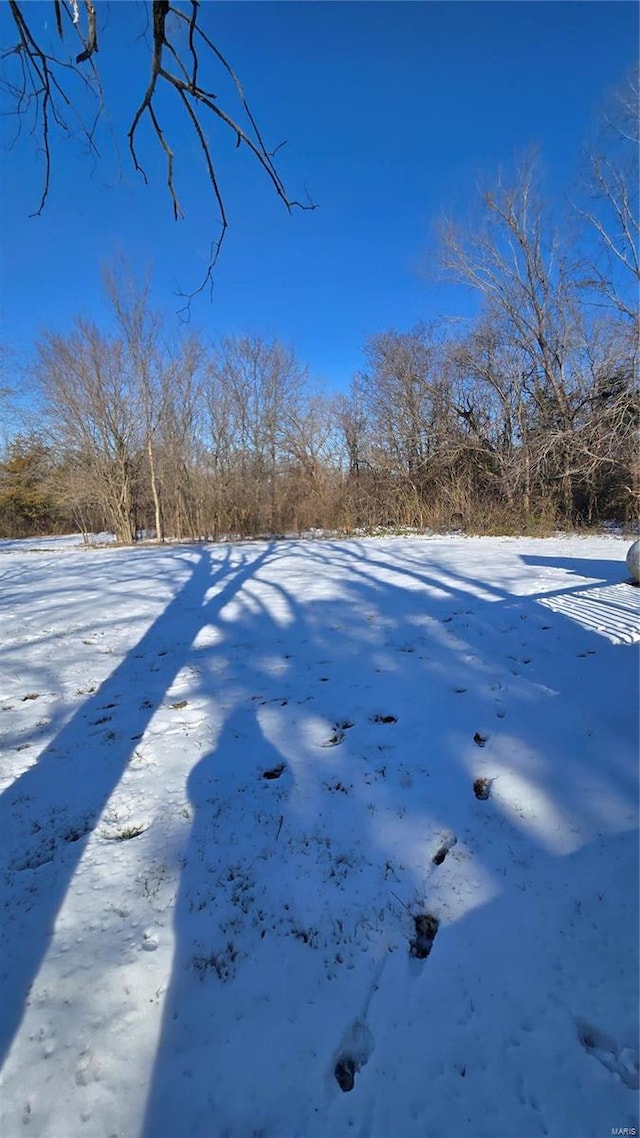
[(154, 490)]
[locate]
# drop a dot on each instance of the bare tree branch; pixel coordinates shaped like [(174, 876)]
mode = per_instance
[(42, 91), (41, 88), (612, 185)]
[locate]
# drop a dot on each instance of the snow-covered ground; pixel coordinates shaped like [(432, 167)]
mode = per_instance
[(247, 886)]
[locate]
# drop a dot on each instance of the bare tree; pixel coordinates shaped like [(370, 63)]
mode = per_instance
[(141, 330), (405, 394), (493, 406), (528, 281), (56, 92), (92, 413), (311, 475), (180, 442), (255, 395), (401, 420), (612, 187), (353, 424), (607, 421)]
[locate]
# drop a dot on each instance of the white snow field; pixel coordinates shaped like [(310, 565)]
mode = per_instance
[(248, 889)]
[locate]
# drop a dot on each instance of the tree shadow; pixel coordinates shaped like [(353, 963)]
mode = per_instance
[(48, 813), (276, 934), (607, 571), (222, 917), (554, 670), (292, 893)]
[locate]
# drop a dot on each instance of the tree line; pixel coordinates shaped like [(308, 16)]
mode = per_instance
[(524, 417)]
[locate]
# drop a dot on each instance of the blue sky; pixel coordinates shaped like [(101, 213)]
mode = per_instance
[(391, 111)]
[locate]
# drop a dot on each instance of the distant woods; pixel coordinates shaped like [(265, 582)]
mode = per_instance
[(523, 418)]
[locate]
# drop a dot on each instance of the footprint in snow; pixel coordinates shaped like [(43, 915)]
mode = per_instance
[(622, 1062), (482, 788), (426, 927), (124, 832), (275, 772), (334, 739), (355, 1051), (442, 852)]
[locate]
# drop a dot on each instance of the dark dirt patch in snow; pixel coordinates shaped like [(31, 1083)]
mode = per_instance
[(480, 739), (222, 963), (338, 787), (384, 718), (307, 936)]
